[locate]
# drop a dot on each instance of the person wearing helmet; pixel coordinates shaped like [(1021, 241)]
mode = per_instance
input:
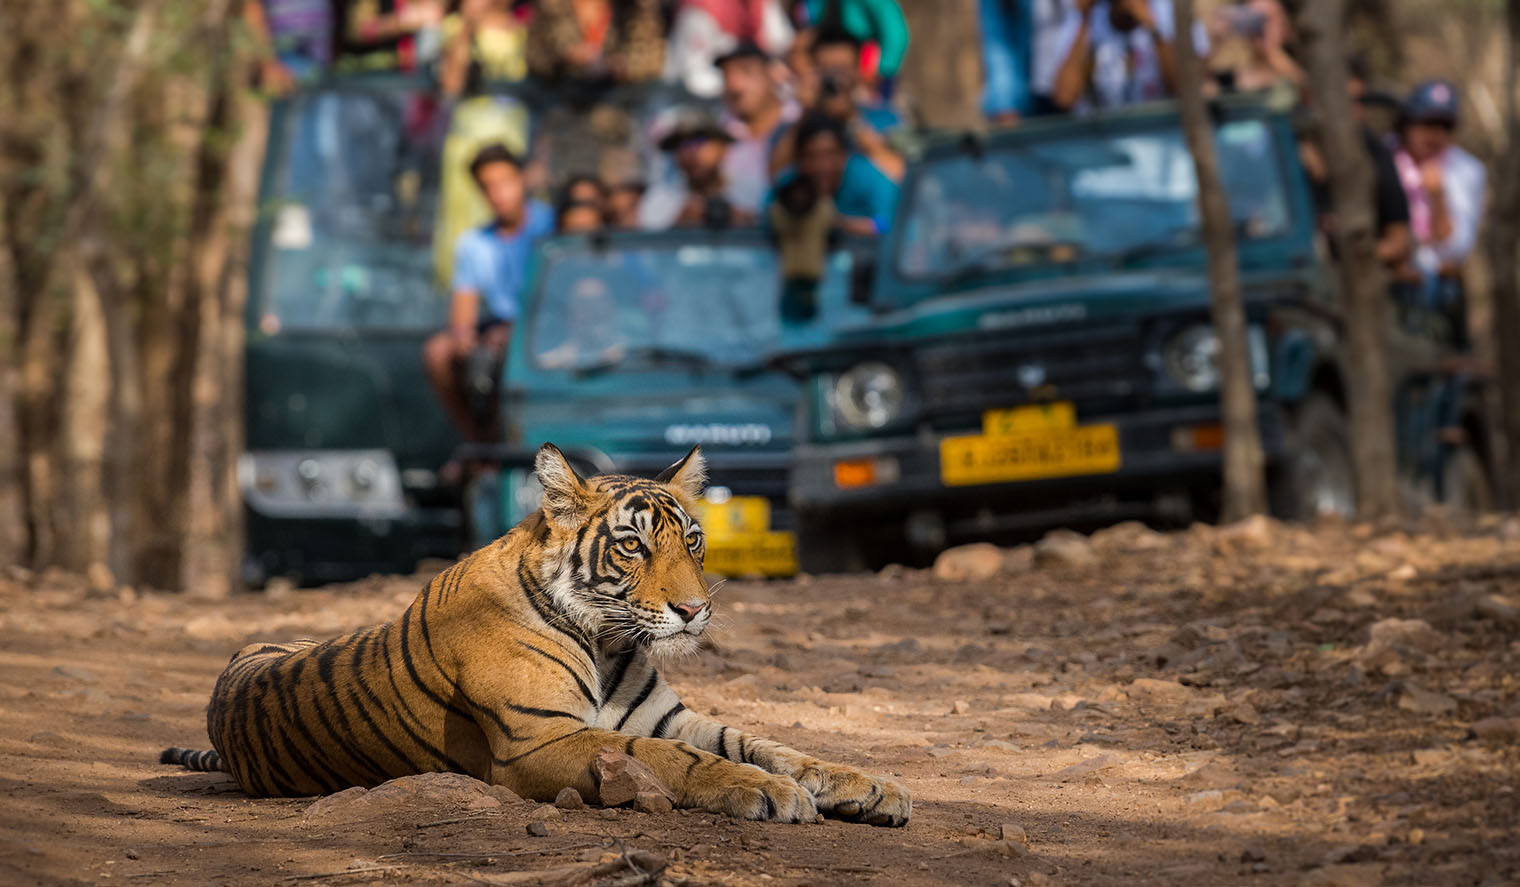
[(1445, 188)]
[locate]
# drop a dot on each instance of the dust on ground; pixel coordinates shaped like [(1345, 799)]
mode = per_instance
[(1268, 705)]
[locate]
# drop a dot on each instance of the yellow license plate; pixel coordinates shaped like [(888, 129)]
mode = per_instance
[(735, 516), (1029, 443), (772, 553)]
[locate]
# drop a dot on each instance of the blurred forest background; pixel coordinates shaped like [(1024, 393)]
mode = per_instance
[(130, 144)]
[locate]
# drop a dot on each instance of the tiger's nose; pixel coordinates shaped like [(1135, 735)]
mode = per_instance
[(689, 610)]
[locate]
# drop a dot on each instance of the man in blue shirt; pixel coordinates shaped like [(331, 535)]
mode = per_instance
[(490, 268), (864, 198)]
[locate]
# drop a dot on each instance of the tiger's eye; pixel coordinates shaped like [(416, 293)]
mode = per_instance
[(692, 539), (631, 545)]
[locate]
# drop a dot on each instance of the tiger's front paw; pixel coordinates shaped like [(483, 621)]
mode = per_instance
[(843, 792), (763, 796)]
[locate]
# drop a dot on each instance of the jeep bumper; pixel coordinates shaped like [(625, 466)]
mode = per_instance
[(1157, 477)]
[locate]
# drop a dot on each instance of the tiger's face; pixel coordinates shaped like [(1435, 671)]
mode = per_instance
[(629, 552)]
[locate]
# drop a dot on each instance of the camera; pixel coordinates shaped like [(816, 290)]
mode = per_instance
[(797, 197), (830, 87), (717, 213)]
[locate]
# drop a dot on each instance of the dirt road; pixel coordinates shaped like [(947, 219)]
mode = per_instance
[(1263, 705)]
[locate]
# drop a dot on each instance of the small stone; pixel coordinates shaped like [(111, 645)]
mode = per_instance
[(537, 829), (74, 673), (1430, 757), (1256, 531), (569, 799), (100, 577), (1417, 699), (1498, 608), (1064, 548), (1414, 634), (1363, 875), (960, 707), (977, 562), (278, 588), (1496, 729), (621, 779), (1091, 765), (1010, 831), (547, 812), (609, 813), (133, 854), (652, 802), (1403, 573)]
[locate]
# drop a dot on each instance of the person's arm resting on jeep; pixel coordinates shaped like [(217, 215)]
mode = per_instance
[(466, 290)]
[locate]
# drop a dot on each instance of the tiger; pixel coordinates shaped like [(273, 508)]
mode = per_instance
[(520, 663)]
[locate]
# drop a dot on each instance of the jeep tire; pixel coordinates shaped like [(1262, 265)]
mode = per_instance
[(1318, 476)]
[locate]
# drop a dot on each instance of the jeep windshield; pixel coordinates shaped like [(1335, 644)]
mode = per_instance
[(346, 224), (668, 306), (1081, 198)]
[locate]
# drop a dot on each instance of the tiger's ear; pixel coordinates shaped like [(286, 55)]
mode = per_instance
[(566, 502), (688, 476)]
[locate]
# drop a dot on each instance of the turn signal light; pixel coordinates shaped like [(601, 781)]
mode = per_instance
[(1198, 438), (854, 473)]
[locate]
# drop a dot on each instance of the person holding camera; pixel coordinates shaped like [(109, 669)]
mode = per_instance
[(702, 195), (1118, 53), (832, 189), (830, 85)]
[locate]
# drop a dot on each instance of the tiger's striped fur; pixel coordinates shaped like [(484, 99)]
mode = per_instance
[(520, 663)]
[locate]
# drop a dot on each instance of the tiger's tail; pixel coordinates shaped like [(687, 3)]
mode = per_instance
[(204, 761)]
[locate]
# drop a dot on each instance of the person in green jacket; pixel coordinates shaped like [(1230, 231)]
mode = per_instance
[(872, 21)]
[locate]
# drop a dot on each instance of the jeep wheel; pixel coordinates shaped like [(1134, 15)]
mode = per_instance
[(1319, 477), (1465, 484), (830, 544)]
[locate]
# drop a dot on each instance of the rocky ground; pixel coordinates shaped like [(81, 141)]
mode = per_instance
[(1335, 705)]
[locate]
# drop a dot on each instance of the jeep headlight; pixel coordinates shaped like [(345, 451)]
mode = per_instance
[(1191, 358), (322, 483), (867, 396)]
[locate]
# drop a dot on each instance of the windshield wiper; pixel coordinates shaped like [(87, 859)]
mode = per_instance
[(658, 355), (1170, 239), (979, 261)]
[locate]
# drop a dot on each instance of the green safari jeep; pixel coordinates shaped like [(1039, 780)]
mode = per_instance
[(1039, 351)]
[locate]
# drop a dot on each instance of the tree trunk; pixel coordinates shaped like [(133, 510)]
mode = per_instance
[(1244, 482), (942, 72), (85, 524), (12, 502), (210, 559), (1504, 254), (1364, 292)]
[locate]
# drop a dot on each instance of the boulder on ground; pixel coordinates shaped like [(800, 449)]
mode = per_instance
[(424, 792), (1064, 548), (969, 563)]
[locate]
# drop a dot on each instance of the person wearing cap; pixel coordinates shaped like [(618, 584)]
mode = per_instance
[(701, 195), (702, 32), (1445, 188), (754, 111)]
